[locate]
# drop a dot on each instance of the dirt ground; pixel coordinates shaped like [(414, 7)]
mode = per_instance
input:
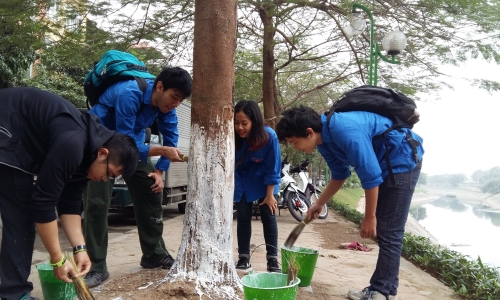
[(337, 269), (132, 286)]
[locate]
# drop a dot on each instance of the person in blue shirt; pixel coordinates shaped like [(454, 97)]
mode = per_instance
[(354, 139), (123, 107), (256, 178)]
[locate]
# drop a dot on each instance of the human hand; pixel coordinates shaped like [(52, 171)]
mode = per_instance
[(158, 185), (65, 272), (369, 227), (271, 203), (314, 211), (173, 154), (83, 263)]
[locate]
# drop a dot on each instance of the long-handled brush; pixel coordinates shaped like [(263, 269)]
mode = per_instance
[(296, 232), (81, 289)]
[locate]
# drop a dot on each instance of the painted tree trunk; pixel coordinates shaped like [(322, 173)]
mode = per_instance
[(206, 252)]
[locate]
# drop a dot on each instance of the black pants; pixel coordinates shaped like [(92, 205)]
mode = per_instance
[(18, 233), (244, 229)]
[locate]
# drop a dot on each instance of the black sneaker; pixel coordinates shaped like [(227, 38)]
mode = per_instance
[(94, 278), (164, 263), (243, 263), (272, 266)]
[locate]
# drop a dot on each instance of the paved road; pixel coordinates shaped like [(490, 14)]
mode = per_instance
[(119, 223)]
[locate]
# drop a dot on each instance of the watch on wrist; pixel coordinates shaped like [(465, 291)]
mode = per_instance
[(79, 248)]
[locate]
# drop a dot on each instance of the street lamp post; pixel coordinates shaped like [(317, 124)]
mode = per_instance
[(394, 42)]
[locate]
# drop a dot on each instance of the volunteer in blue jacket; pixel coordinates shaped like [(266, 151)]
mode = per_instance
[(124, 108), (353, 139), (257, 178)]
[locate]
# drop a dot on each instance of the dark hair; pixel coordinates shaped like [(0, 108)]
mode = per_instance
[(123, 151), (296, 120), (175, 78), (258, 136)]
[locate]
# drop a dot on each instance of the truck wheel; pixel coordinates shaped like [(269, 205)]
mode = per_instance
[(182, 207)]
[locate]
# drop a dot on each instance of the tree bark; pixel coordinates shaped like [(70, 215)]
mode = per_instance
[(206, 252), (268, 79)]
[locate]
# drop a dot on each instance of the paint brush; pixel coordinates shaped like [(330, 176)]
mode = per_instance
[(296, 232)]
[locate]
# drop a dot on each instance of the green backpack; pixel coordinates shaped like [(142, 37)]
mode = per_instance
[(114, 66)]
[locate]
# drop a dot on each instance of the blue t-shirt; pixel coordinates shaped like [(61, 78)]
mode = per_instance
[(351, 140), (258, 169), (131, 114)]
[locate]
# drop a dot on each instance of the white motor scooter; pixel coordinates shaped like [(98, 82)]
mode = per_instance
[(306, 189), (289, 195)]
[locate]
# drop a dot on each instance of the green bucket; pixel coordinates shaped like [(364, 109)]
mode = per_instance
[(269, 286), (53, 288), (304, 258)]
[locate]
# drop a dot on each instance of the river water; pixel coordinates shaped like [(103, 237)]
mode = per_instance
[(470, 230)]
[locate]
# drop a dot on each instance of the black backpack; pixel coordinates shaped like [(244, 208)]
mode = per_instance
[(385, 102), (114, 66), (389, 103)]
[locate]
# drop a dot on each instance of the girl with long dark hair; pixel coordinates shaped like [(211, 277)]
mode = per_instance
[(257, 178)]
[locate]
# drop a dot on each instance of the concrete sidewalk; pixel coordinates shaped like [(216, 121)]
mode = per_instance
[(336, 271)]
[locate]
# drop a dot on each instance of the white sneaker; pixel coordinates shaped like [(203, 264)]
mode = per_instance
[(366, 294)]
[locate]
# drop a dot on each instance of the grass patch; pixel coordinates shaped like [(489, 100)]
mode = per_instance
[(349, 197)]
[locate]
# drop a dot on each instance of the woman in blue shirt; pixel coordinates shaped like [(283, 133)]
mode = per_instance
[(257, 177)]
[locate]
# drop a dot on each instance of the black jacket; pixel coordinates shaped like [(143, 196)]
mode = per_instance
[(45, 135)]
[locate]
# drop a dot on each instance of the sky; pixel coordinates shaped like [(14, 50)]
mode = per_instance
[(459, 126)]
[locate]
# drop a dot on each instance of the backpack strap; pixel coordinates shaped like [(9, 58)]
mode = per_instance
[(414, 144), (386, 157), (238, 163), (143, 86)]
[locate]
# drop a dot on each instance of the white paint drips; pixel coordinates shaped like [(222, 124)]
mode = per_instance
[(206, 252), (146, 286)]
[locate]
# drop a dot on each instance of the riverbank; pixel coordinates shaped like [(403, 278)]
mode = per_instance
[(466, 193)]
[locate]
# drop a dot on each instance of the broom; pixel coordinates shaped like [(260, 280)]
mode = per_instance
[(296, 232), (81, 289)]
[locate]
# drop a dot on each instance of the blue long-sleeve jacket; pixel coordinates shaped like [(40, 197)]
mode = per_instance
[(258, 169), (124, 110), (351, 140)]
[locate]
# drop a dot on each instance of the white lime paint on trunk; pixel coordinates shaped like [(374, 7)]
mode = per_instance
[(206, 251)]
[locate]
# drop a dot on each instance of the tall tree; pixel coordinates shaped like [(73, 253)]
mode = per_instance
[(303, 50), (21, 34), (206, 252)]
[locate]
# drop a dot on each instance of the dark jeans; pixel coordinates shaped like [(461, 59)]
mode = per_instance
[(244, 228), (392, 212), (148, 214), (18, 233)]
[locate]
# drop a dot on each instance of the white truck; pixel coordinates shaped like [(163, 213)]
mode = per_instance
[(175, 180)]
